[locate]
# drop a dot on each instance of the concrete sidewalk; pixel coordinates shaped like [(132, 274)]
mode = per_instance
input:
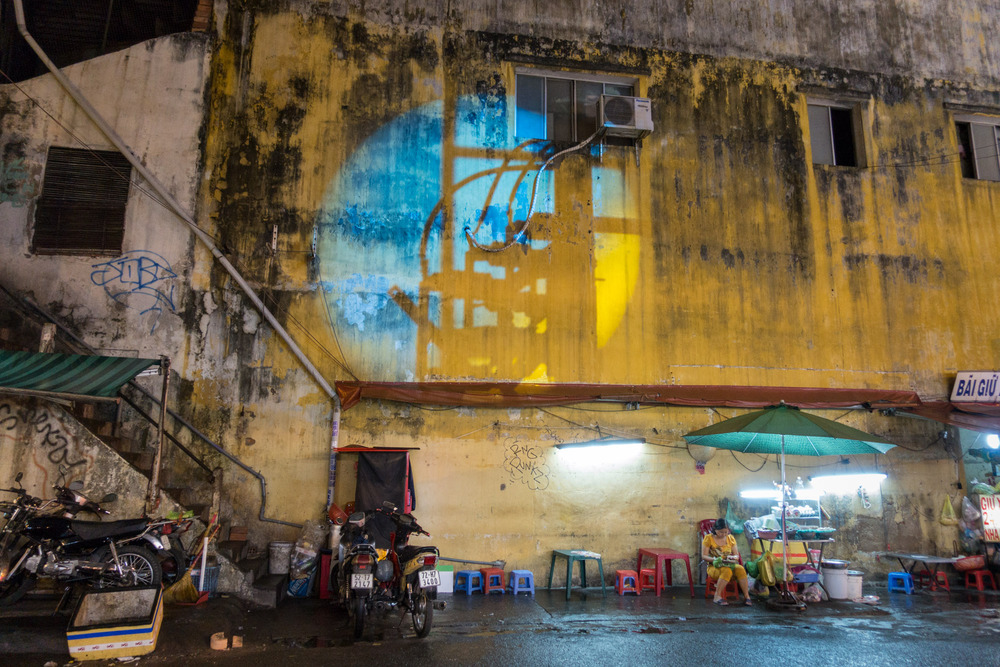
[(31, 635)]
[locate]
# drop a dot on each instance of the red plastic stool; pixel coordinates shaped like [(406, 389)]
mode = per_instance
[(923, 578), (492, 580), (626, 581), (647, 579), (980, 576), (732, 590)]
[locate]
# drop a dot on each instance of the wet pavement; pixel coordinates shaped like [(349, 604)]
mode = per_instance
[(926, 628)]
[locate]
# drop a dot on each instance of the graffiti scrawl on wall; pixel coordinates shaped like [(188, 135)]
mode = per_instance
[(525, 464), (140, 280), (54, 448), (16, 184)]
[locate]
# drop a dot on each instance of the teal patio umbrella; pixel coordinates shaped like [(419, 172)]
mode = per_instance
[(784, 429)]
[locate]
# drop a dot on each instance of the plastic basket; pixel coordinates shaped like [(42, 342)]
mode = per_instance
[(211, 579), (970, 563)]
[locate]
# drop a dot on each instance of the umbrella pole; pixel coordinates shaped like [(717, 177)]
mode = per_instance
[(784, 532)]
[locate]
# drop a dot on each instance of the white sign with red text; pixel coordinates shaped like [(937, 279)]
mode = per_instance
[(990, 506)]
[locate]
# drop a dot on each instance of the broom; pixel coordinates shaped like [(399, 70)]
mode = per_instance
[(183, 590)]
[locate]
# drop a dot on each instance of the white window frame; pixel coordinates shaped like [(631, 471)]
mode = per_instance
[(984, 160), (573, 76), (829, 141)]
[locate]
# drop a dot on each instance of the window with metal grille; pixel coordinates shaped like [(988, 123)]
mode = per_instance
[(82, 206), (562, 106), (979, 147)]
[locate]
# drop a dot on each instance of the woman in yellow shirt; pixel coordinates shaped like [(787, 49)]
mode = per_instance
[(719, 550)]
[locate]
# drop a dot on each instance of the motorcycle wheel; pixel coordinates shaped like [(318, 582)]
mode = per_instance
[(142, 568), (422, 613), (359, 617), (173, 565), (14, 588)]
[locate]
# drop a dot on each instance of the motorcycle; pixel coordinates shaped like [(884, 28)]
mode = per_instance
[(377, 581), (42, 538)]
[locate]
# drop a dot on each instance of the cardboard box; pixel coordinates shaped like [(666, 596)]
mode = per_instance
[(116, 623)]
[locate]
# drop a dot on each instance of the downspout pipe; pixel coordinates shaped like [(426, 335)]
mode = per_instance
[(188, 219)]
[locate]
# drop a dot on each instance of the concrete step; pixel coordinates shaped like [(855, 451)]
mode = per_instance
[(120, 444), (235, 550), (98, 427), (269, 591), (141, 461)]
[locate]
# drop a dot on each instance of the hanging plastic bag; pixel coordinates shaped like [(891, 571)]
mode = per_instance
[(948, 516), (735, 525), (765, 569), (753, 566), (969, 511)]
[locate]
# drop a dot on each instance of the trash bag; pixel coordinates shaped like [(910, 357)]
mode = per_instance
[(969, 511), (948, 516), (812, 593), (735, 525), (752, 566)]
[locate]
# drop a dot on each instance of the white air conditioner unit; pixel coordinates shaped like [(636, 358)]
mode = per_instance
[(624, 116)]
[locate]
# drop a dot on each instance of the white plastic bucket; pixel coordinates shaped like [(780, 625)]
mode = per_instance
[(854, 581), (835, 582), (280, 557)]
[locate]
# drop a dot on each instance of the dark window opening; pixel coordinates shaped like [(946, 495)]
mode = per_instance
[(82, 206), (843, 137), (965, 155), (71, 31)]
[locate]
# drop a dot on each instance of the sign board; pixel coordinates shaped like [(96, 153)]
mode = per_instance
[(990, 506), (976, 387)]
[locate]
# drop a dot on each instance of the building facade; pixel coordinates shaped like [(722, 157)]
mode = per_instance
[(419, 194)]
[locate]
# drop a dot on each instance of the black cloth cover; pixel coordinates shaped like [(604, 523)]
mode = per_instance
[(384, 476)]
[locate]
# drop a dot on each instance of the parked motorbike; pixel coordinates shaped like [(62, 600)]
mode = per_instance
[(377, 581), (42, 538)]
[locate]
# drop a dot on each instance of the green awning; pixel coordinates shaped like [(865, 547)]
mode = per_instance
[(67, 375)]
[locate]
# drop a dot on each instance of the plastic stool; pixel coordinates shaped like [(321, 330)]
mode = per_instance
[(980, 576), (923, 578), (647, 579), (626, 581), (521, 580), (901, 581), (468, 581), (732, 590), (492, 580)]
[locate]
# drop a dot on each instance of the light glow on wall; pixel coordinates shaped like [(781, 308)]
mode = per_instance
[(845, 484)]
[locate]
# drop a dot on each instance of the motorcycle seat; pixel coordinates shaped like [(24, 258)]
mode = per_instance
[(409, 552), (95, 530)]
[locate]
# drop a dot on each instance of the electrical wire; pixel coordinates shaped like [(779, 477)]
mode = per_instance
[(746, 467)]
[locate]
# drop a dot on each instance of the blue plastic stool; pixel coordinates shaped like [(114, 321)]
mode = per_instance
[(522, 580), (901, 581), (468, 581)]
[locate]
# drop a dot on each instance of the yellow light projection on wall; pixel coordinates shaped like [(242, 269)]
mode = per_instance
[(616, 270)]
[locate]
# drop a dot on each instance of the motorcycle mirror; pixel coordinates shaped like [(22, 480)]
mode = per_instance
[(18, 477), (110, 498), (389, 505), (76, 485)]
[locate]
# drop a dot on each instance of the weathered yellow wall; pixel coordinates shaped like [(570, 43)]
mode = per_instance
[(724, 257)]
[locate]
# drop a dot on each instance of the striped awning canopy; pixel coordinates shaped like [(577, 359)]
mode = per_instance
[(67, 375)]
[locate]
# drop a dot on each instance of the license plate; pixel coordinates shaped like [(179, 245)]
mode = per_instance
[(361, 580), (428, 578)]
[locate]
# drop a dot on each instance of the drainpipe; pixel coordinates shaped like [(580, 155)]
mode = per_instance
[(169, 199)]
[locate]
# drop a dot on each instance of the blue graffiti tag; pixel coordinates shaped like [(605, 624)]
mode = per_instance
[(16, 185), (136, 279)]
